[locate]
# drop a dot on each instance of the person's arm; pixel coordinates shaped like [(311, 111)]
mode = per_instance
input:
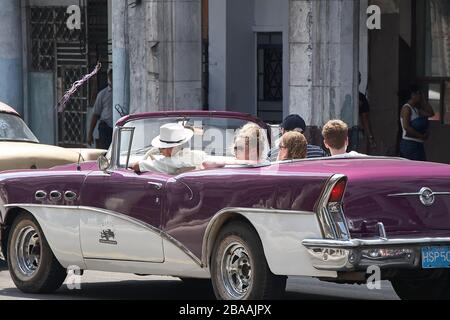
[(426, 109), (410, 131), (136, 167), (91, 129)]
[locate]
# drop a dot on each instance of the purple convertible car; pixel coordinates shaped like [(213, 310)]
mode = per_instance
[(244, 227)]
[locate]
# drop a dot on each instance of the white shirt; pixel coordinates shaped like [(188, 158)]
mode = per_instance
[(351, 154), (414, 115), (183, 159)]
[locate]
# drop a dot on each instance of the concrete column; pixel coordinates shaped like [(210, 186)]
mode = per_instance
[(323, 52), (218, 55), (11, 76), (165, 55), (179, 59), (121, 80)]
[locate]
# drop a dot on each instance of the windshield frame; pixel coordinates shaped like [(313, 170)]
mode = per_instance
[(126, 121)]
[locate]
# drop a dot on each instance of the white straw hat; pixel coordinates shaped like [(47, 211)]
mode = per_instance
[(172, 135)]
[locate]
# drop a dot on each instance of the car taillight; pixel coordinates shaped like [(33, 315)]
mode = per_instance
[(335, 209), (337, 193)]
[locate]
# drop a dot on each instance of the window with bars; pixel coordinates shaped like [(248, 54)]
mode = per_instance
[(270, 76), (433, 54)]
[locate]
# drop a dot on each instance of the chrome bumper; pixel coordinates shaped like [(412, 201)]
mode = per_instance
[(358, 254)]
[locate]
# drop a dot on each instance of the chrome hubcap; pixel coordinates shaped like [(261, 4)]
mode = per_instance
[(236, 270), (28, 249)]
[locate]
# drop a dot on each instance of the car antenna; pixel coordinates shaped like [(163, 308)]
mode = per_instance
[(78, 163)]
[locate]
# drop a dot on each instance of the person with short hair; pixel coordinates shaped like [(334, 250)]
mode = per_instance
[(294, 122), (293, 145), (335, 138), (103, 112)]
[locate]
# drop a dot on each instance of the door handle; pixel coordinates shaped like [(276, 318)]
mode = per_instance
[(70, 195), (155, 185), (40, 195), (55, 195)]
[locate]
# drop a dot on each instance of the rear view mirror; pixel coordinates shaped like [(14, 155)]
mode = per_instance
[(103, 163)]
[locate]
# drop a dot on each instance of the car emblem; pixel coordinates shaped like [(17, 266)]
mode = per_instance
[(107, 236), (426, 197)]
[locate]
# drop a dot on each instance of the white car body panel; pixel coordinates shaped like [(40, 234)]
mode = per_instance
[(73, 234), (282, 236), (61, 227), (131, 242)]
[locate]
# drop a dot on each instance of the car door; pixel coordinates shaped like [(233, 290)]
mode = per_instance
[(121, 216)]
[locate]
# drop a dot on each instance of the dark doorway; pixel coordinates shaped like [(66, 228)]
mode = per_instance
[(270, 76)]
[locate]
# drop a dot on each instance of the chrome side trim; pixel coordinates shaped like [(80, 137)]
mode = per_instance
[(237, 210), (120, 216), (40, 195), (360, 243), (70, 195), (155, 185), (408, 194), (381, 231), (55, 195)]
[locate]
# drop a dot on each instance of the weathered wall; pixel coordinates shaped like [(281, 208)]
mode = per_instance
[(217, 34), (42, 106), (324, 58), (11, 78), (240, 56), (161, 50)]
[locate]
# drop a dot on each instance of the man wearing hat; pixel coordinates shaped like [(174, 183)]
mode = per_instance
[(172, 158), (294, 122)]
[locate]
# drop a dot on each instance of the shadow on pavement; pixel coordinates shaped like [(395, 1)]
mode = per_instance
[(140, 290)]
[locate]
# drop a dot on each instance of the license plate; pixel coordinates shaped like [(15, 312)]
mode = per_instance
[(436, 257)]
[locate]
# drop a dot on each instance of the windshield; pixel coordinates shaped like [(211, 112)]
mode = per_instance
[(212, 135), (13, 128)]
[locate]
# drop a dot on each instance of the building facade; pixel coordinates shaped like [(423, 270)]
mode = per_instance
[(268, 58)]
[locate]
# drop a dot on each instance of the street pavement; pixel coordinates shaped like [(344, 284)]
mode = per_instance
[(106, 285)]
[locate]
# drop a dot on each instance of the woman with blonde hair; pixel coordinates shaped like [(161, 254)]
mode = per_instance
[(250, 143), (250, 148)]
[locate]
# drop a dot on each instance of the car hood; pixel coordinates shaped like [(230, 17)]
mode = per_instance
[(27, 155)]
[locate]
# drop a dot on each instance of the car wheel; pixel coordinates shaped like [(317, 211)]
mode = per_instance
[(239, 269), (423, 289), (32, 265)]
